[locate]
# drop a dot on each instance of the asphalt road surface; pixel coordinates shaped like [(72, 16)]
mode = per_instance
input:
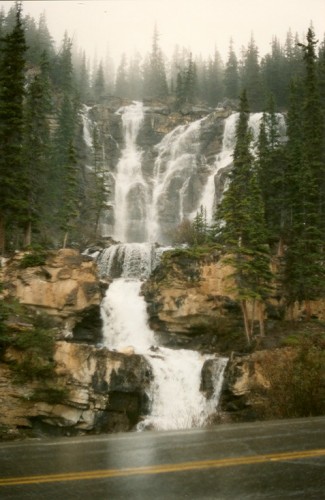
[(261, 460)]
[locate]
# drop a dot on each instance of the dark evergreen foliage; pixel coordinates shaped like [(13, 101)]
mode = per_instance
[(240, 217), (155, 80), (304, 271), (13, 201)]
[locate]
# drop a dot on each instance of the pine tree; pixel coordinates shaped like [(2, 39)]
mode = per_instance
[(200, 228), (187, 84), (271, 167), (251, 77), (242, 228), (69, 200), (63, 151), (36, 147), (215, 77), (121, 82), (155, 80), (99, 83), (12, 80), (304, 269), (231, 75), (273, 74), (99, 189)]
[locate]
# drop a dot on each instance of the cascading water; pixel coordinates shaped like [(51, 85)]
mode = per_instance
[(176, 399), (176, 170), (131, 190), (223, 160), (211, 194), (145, 209), (148, 206)]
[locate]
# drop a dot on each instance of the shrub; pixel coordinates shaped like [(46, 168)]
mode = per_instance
[(33, 259), (297, 380)]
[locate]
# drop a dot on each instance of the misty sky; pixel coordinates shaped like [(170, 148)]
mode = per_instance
[(201, 25)]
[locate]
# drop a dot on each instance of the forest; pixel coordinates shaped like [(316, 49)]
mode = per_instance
[(275, 203)]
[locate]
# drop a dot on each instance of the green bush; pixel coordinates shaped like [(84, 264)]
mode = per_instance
[(297, 380), (33, 259)]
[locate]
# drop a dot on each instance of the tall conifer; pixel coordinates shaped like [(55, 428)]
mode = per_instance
[(305, 256), (12, 79), (242, 226)]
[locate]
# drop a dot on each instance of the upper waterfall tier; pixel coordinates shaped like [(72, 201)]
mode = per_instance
[(153, 187), (131, 190)]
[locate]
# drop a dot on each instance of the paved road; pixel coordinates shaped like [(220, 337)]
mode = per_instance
[(269, 460)]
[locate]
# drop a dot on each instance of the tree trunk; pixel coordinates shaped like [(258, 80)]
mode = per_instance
[(28, 234), (308, 309), (261, 321), (280, 249), (65, 239), (2, 235), (243, 306), (253, 318)]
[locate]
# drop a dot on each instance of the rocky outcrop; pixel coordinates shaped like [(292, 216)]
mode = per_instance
[(66, 287), (103, 392), (189, 301), (275, 383)]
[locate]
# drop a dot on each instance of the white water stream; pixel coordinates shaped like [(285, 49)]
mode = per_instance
[(176, 399), (145, 207)]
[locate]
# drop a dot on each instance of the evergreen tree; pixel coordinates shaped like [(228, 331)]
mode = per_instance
[(12, 80), (186, 84), (214, 83), (69, 208), (36, 147), (231, 76), (304, 270), (251, 77), (135, 80), (82, 78), (155, 80), (200, 227), (63, 151), (240, 218), (271, 167), (121, 83), (62, 69), (273, 74), (99, 83), (99, 190)]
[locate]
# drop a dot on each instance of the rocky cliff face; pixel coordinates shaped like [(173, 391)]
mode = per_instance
[(65, 287), (103, 392), (190, 304), (90, 389)]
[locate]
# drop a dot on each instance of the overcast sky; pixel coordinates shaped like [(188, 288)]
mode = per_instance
[(201, 25)]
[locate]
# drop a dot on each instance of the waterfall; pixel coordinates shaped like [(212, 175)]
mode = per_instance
[(87, 125), (215, 184), (222, 161), (146, 208), (176, 399), (175, 171), (131, 190)]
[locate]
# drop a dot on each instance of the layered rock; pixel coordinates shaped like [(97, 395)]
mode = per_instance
[(104, 392), (66, 287), (190, 301)]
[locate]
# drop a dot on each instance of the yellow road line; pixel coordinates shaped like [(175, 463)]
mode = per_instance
[(163, 468)]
